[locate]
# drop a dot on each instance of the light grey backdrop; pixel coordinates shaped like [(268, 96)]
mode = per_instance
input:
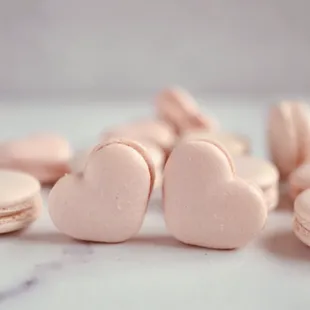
[(126, 48)]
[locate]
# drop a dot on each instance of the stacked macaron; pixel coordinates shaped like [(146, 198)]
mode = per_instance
[(289, 142), (24, 164), (20, 200)]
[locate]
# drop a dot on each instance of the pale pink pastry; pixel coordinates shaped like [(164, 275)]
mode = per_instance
[(235, 144), (178, 108), (108, 201), (301, 224), (157, 155), (45, 156), (299, 180), (150, 131), (289, 135), (158, 158), (205, 204), (20, 200), (261, 173)]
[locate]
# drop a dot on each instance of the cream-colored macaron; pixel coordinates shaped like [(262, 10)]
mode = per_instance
[(20, 200), (301, 226), (262, 173), (235, 144)]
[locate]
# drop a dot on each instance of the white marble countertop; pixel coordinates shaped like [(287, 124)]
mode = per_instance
[(42, 269)]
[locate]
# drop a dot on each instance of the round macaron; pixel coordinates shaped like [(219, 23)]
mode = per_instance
[(261, 173), (301, 224), (299, 180), (108, 200), (20, 200), (235, 144), (152, 131), (289, 135), (45, 156), (178, 108)]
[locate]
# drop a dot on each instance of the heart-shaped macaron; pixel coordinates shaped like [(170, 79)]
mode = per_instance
[(108, 200), (205, 204)]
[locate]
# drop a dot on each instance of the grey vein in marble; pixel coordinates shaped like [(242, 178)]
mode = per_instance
[(77, 253)]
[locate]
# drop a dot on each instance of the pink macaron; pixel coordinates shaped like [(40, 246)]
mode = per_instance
[(289, 135), (261, 173), (108, 200), (20, 200), (299, 180), (45, 156), (156, 154), (235, 144), (148, 131), (205, 203), (301, 224), (179, 109)]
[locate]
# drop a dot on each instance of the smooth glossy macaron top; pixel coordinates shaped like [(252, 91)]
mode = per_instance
[(257, 170), (16, 186), (150, 131), (205, 203), (108, 200), (289, 135), (235, 144), (178, 108)]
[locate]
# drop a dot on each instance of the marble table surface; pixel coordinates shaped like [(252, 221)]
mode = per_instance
[(42, 269)]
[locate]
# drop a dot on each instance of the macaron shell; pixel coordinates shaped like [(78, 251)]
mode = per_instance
[(233, 143), (156, 153), (204, 203), (271, 196), (256, 170), (150, 131), (301, 232), (282, 138), (15, 187), (302, 208), (40, 147), (108, 201), (301, 117), (45, 156), (20, 215), (299, 180), (178, 108)]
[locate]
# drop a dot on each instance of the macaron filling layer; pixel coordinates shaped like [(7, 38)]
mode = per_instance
[(21, 209), (301, 230)]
